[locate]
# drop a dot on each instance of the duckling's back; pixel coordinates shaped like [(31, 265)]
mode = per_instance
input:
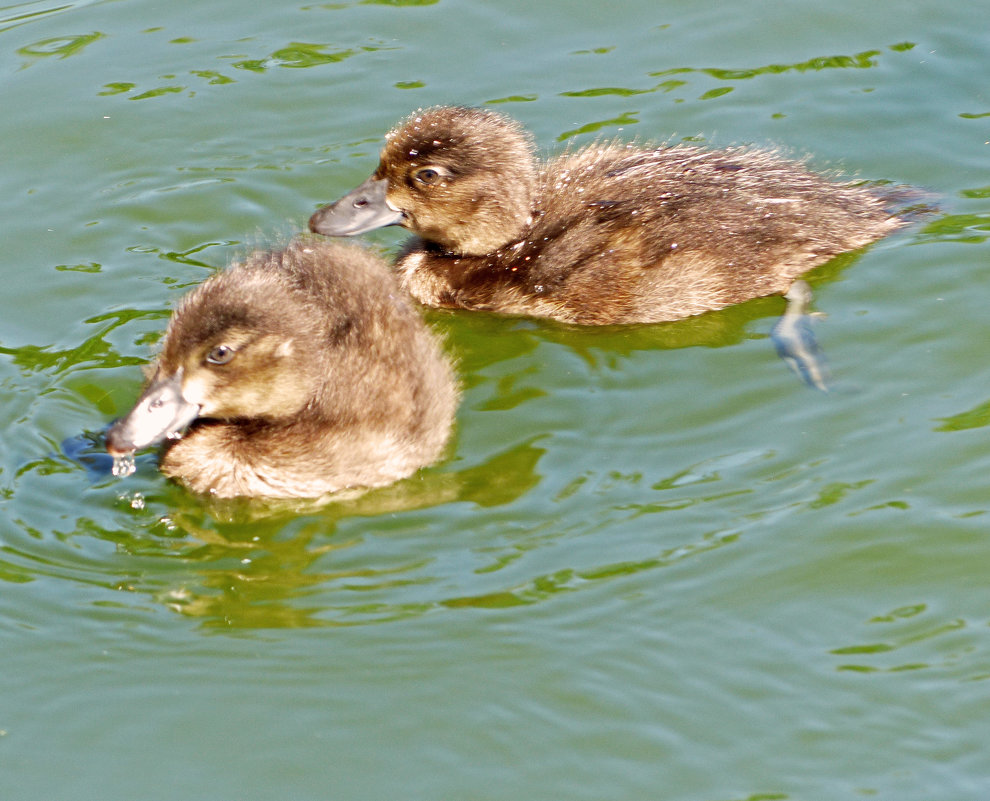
[(635, 235)]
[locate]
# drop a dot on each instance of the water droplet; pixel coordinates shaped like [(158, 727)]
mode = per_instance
[(123, 464)]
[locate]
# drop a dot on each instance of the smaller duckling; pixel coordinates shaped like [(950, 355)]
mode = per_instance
[(296, 373), (608, 234)]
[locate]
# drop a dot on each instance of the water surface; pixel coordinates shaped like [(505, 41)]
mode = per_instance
[(654, 564)]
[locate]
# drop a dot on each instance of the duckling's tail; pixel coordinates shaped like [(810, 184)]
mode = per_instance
[(908, 203)]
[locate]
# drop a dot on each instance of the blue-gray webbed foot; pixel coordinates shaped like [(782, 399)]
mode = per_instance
[(88, 450), (795, 340)]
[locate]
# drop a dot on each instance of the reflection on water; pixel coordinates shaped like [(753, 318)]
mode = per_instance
[(88, 449), (246, 563), (294, 55), (608, 344)]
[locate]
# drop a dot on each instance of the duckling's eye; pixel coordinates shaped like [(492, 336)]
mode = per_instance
[(427, 176), (221, 354)]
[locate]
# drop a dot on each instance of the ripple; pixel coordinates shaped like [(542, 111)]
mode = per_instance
[(60, 46), (93, 352), (301, 55), (188, 256), (914, 638), (512, 99), (18, 16), (678, 77), (977, 417), (967, 229), (243, 564), (293, 55)]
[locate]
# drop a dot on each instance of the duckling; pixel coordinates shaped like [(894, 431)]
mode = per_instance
[(607, 234), (296, 373)]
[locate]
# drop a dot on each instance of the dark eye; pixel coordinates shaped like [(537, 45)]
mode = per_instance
[(221, 354), (427, 175)]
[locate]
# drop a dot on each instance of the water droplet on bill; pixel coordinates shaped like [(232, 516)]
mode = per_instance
[(123, 464)]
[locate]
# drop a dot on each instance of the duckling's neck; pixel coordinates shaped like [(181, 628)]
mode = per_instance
[(495, 224), (478, 239)]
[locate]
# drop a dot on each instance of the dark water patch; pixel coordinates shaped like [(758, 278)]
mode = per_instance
[(627, 118), (512, 99), (90, 267), (89, 450)]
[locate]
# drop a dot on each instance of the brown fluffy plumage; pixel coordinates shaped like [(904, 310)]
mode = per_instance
[(608, 234), (303, 371)]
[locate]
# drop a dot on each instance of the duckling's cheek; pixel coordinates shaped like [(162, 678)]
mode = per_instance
[(197, 389)]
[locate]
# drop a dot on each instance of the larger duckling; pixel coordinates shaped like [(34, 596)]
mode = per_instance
[(298, 372), (611, 233)]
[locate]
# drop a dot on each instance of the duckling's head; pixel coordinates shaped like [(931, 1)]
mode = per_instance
[(462, 178), (237, 347)]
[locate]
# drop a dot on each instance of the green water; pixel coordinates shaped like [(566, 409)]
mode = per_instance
[(654, 565)]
